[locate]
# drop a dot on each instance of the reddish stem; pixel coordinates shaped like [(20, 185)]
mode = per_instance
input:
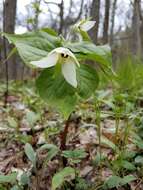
[(64, 138)]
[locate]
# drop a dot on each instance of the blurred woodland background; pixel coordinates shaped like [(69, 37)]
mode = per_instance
[(102, 141), (118, 23)]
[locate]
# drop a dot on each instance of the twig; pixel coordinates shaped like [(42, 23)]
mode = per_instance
[(136, 188), (49, 2)]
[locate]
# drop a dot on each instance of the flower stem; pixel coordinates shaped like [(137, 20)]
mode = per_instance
[(63, 137), (99, 130)]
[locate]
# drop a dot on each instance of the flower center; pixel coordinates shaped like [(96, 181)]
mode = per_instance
[(63, 55)]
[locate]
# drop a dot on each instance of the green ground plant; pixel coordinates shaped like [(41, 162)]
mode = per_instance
[(117, 98)]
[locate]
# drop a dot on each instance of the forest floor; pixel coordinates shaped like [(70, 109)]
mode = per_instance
[(108, 136)]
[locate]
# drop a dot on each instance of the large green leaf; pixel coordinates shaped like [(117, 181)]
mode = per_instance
[(62, 176), (116, 181), (87, 50), (74, 154), (10, 178), (34, 45), (56, 91), (52, 151), (87, 80), (30, 153)]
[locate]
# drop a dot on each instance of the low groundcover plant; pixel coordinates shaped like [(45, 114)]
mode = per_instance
[(65, 78)]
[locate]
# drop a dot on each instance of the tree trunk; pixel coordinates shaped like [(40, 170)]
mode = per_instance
[(9, 14), (136, 26), (106, 21), (113, 22), (61, 14), (95, 14)]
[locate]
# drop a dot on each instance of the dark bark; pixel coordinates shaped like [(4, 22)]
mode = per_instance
[(95, 14), (61, 14), (106, 21), (69, 20), (9, 15), (113, 22), (136, 26)]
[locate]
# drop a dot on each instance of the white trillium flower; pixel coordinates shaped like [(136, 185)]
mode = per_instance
[(64, 57), (85, 25)]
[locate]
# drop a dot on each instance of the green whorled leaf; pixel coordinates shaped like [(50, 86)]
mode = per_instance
[(87, 50), (88, 80), (56, 91), (50, 31), (109, 143), (139, 160), (116, 181), (24, 179), (138, 142), (48, 146), (59, 178), (113, 181), (52, 151), (32, 117), (12, 122), (74, 154), (40, 39), (10, 178), (127, 179), (127, 165), (15, 187), (30, 153), (34, 45), (29, 53)]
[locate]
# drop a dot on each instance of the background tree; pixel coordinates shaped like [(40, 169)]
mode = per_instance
[(9, 15), (66, 20), (136, 26), (106, 21), (95, 14), (114, 7)]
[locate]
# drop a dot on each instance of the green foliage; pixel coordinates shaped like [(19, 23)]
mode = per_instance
[(52, 151), (89, 51), (33, 46), (74, 154), (88, 80), (24, 179), (59, 178), (58, 93), (123, 164), (130, 75), (10, 178), (30, 153), (12, 122), (116, 181), (15, 187), (32, 117), (81, 184)]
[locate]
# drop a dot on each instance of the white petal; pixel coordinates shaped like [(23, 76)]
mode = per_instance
[(68, 52), (46, 62), (69, 72), (87, 25)]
